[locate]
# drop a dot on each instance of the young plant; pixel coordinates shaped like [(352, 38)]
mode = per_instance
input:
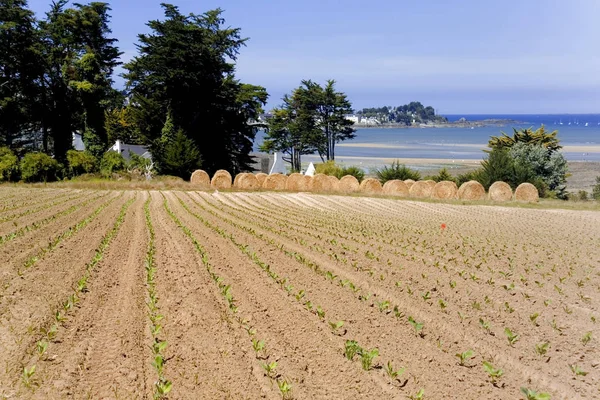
[(394, 374), (366, 358), (492, 372), (163, 387), (320, 312), (335, 326), (533, 318), (420, 395), (351, 349), (577, 371), (511, 336), (586, 338), (464, 357), (418, 327), (41, 347), (285, 388), (383, 306), (542, 348), (27, 376), (533, 395), (270, 368), (258, 346)]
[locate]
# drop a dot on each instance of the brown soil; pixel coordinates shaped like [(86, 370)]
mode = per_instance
[(369, 262)]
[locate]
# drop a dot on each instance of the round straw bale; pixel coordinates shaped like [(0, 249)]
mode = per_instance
[(247, 182), (221, 180), (371, 185), (527, 192), (409, 183), (275, 182), (396, 187), (420, 189), (200, 177), (297, 182), (349, 184), (321, 183), (237, 179), (431, 183), (445, 190), (261, 176), (471, 190), (500, 191), (335, 184)]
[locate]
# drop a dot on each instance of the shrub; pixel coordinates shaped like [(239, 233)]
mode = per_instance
[(39, 167), (138, 162), (81, 162), (9, 165), (596, 189), (443, 175), (356, 172), (551, 167), (179, 156), (111, 162), (397, 171)]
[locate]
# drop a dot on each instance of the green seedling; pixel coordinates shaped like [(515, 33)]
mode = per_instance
[(251, 331), (285, 388), (398, 313), (351, 349), (258, 345), (485, 325), (163, 387), (59, 317), (270, 368), (418, 327), (289, 288), (27, 376), (41, 347), (533, 318), (586, 338), (492, 372), (366, 358), (394, 374), (464, 357), (426, 296), (158, 363), (320, 312), (159, 346), (383, 306), (577, 370), (442, 304), (420, 395), (511, 336), (300, 295), (308, 305), (335, 326), (533, 395), (542, 348)]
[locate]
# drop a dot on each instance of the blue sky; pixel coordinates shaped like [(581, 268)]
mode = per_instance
[(462, 56)]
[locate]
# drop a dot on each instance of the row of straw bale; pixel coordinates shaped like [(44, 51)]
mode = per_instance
[(472, 190)]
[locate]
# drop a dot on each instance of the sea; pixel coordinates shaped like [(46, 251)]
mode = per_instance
[(578, 133)]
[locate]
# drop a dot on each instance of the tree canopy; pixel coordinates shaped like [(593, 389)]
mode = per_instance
[(185, 68)]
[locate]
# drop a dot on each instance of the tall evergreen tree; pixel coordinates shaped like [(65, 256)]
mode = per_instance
[(19, 69), (186, 66)]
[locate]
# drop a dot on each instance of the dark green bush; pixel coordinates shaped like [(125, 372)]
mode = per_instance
[(112, 162), (39, 167), (81, 162), (356, 172), (9, 165), (443, 175), (397, 171), (596, 189)]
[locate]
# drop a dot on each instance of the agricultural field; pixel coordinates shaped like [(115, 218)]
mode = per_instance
[(216, 295)]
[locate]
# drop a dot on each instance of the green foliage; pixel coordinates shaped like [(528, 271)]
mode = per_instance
[(81, 162), (596, 189), (539, 137), (331, 168), (404, 114), (464, 357), (550, 166), (186, 68), (493, 373), (367, 357), (179, 156), (356, 172), (38, 167), (533, 395), (443, 175), (351, 348), (9, 165), (397, 171), (112, 162)]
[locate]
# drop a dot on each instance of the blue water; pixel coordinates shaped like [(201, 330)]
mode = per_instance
[(467, 143)]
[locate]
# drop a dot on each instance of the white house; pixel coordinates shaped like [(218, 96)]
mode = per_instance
[(120, 147), (354, 118)]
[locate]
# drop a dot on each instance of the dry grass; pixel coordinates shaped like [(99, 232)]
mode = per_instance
[(471, 190), (409, 183), (321, 183), (275, 182), (246, 181), (261, 176), (396, 187), (445, 190), (201, 178), (527, 192), (349, 184), (221, 180), (500, 191), (421, 190), (371, 186)]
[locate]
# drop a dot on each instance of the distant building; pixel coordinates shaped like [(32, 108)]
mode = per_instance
[(78, 142), (126, 149), (352, 117)]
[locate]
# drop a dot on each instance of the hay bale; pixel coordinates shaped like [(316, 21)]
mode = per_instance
[(396, 187), (297, 182), (349, 184), (247, 182), (420, 189), (371, 185), (431, 183), (275, 182), (321, 183), (221, 180), (500, 191), (527, 192), (335, 184), (445, 190), (409, 183), (471, 190), (236, 180), (200, 177), (261, 176)]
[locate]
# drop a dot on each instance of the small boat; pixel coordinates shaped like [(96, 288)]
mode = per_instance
[(586, 124)]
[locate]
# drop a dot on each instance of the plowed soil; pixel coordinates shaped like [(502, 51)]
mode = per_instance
[(259, 295)]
